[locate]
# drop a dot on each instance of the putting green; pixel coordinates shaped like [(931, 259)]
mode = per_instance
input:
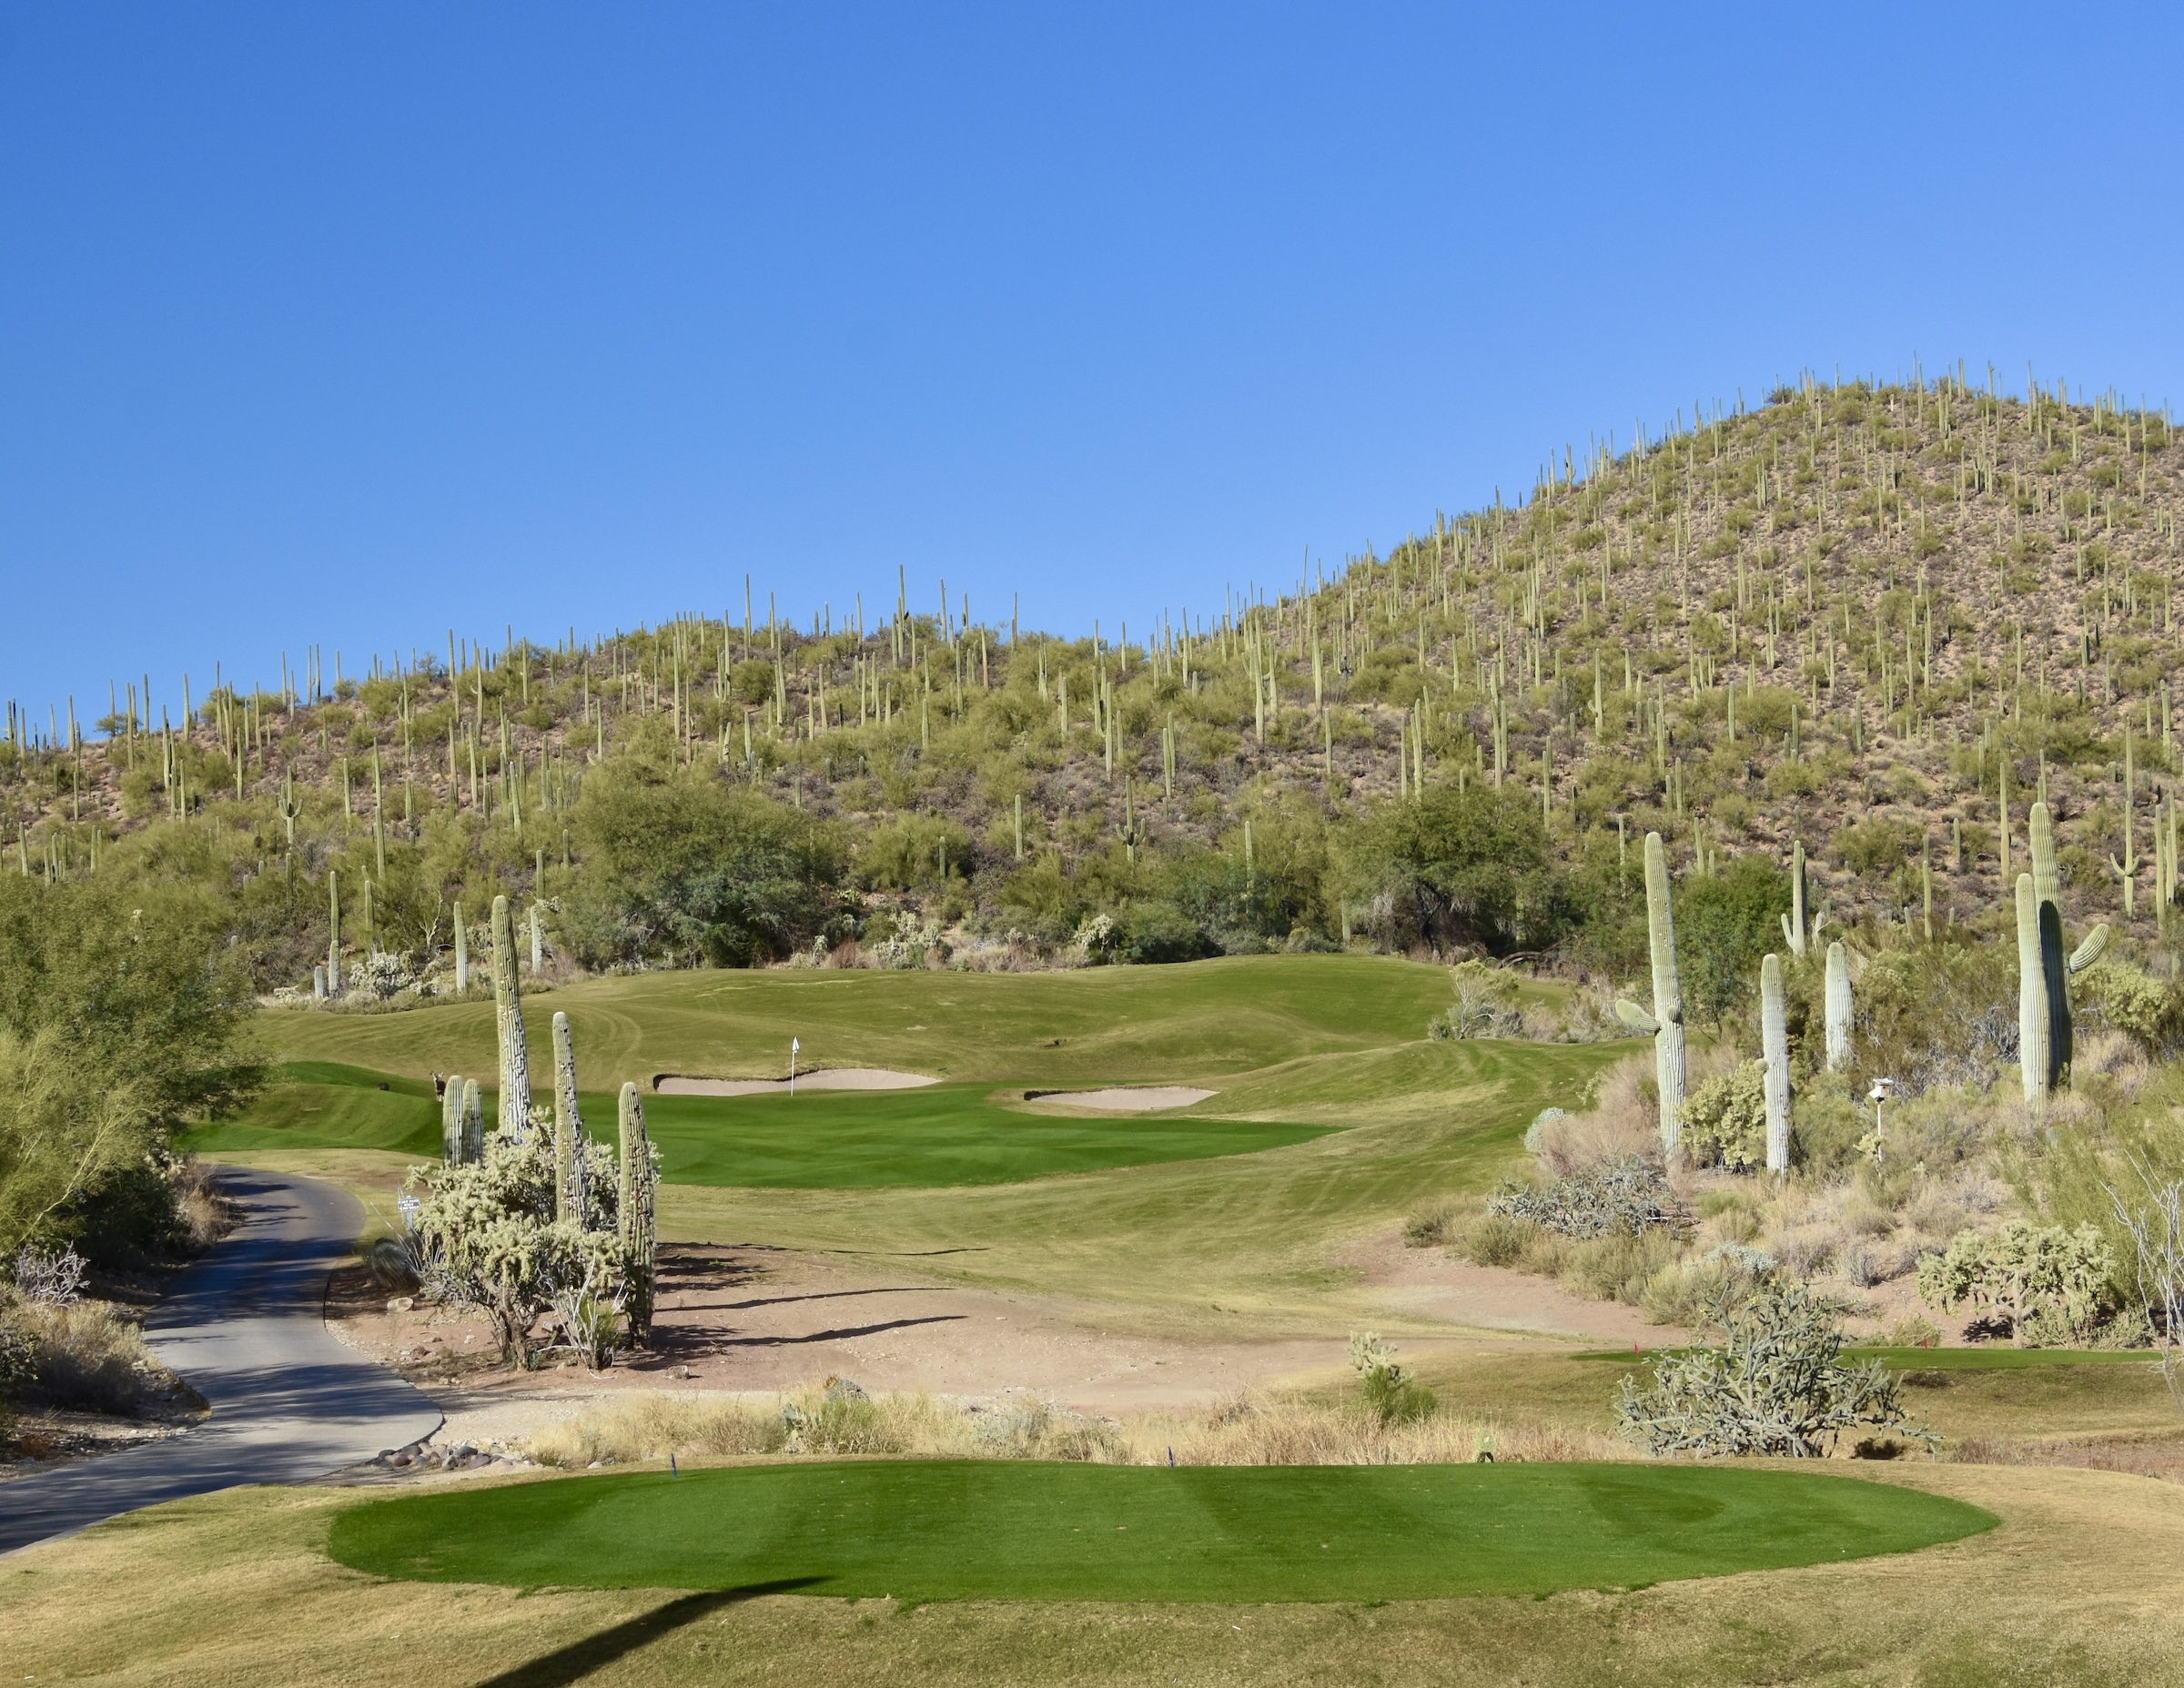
[(998, 1530), (943, 1134)]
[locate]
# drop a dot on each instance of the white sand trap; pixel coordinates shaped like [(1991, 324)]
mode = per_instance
[(1133, 1100), (825, 1078)]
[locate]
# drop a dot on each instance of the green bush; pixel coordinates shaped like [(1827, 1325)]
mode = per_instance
[(2049, 1286), (1726, 1119), (1390, 1395)]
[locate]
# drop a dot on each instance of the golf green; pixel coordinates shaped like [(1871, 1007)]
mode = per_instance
[(1001, 1530), (937, 1136)]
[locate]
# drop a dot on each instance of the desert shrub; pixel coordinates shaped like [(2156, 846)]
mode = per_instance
[(843, 1418), (1623, 1122), (1495, 1240), (1937, 1014), (1687, 1292), (1485, 1006), (1428, 1226), (2048, 1285), (1877, 845), (1618, 1267), (1725, 923), (87, 1355), (1160, 932), (51, 1276), (1726, 1119), (1776, 1386), (1389, 1393), (1825, 1124), (1627, 1196), (2114, 994)]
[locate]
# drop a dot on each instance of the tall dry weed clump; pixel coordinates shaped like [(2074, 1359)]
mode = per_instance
[(1245, 1430), (84, 1354)]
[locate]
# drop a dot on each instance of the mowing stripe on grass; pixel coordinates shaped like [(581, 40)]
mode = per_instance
[(944, 1135), (1000, 1530)]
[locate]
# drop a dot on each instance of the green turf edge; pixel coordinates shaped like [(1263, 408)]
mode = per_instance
[(1942, 1359), (1001, 1530)]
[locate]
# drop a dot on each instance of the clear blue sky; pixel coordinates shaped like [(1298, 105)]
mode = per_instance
[(346, 323)]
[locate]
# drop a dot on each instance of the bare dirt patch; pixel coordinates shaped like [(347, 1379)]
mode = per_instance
[(753, 1320), (1428, 1283)]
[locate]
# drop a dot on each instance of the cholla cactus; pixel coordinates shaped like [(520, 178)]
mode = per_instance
[(508, 998), (1774, 1045), (640, 1177)]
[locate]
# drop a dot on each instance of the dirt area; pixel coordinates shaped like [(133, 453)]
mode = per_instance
[(48, 1437), (735, 1319), (825, 1078), (1121, 1099), (1429, 1283)]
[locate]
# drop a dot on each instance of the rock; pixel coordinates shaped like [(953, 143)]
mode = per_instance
[(401, 1304), (681, 1373), (843, 1388)]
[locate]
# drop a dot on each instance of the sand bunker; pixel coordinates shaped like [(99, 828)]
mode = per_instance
[(1133, 1100), (823, 1079)]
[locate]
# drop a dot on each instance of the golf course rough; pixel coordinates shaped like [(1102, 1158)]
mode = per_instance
[(1009, 1530)]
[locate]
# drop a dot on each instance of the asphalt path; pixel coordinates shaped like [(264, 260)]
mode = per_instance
[(246, 1327)]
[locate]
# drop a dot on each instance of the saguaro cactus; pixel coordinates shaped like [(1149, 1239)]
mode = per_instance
[(333, 943), (1794, 927), (1837, 1008), (636, 1215), (462, 953), (450, 1121), (1665, 1022), (2033, 1062), (508, 998), (2044, 967), (1774, 1045), (568, 1125), (473, 1122)]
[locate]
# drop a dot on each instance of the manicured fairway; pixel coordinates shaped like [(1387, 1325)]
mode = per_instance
[(962, 1530), (944, 1135), (824, 1139), (328, 1104)]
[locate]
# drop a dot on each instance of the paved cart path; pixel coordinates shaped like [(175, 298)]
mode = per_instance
[(246, 1327)]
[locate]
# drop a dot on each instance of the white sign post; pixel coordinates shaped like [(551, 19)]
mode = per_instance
[(794, 1044)]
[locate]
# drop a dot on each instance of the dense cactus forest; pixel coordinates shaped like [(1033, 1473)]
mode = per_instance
[(1876, 621)]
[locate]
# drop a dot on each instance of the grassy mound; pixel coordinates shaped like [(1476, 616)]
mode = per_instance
[(824, 1139), (1021, 1530)]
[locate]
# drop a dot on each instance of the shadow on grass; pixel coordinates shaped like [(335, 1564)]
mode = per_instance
[(577, 1661)]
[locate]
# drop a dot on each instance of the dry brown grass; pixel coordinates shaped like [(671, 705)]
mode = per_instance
[(2076, 1587), (1247, 1428), (91, 1355)]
